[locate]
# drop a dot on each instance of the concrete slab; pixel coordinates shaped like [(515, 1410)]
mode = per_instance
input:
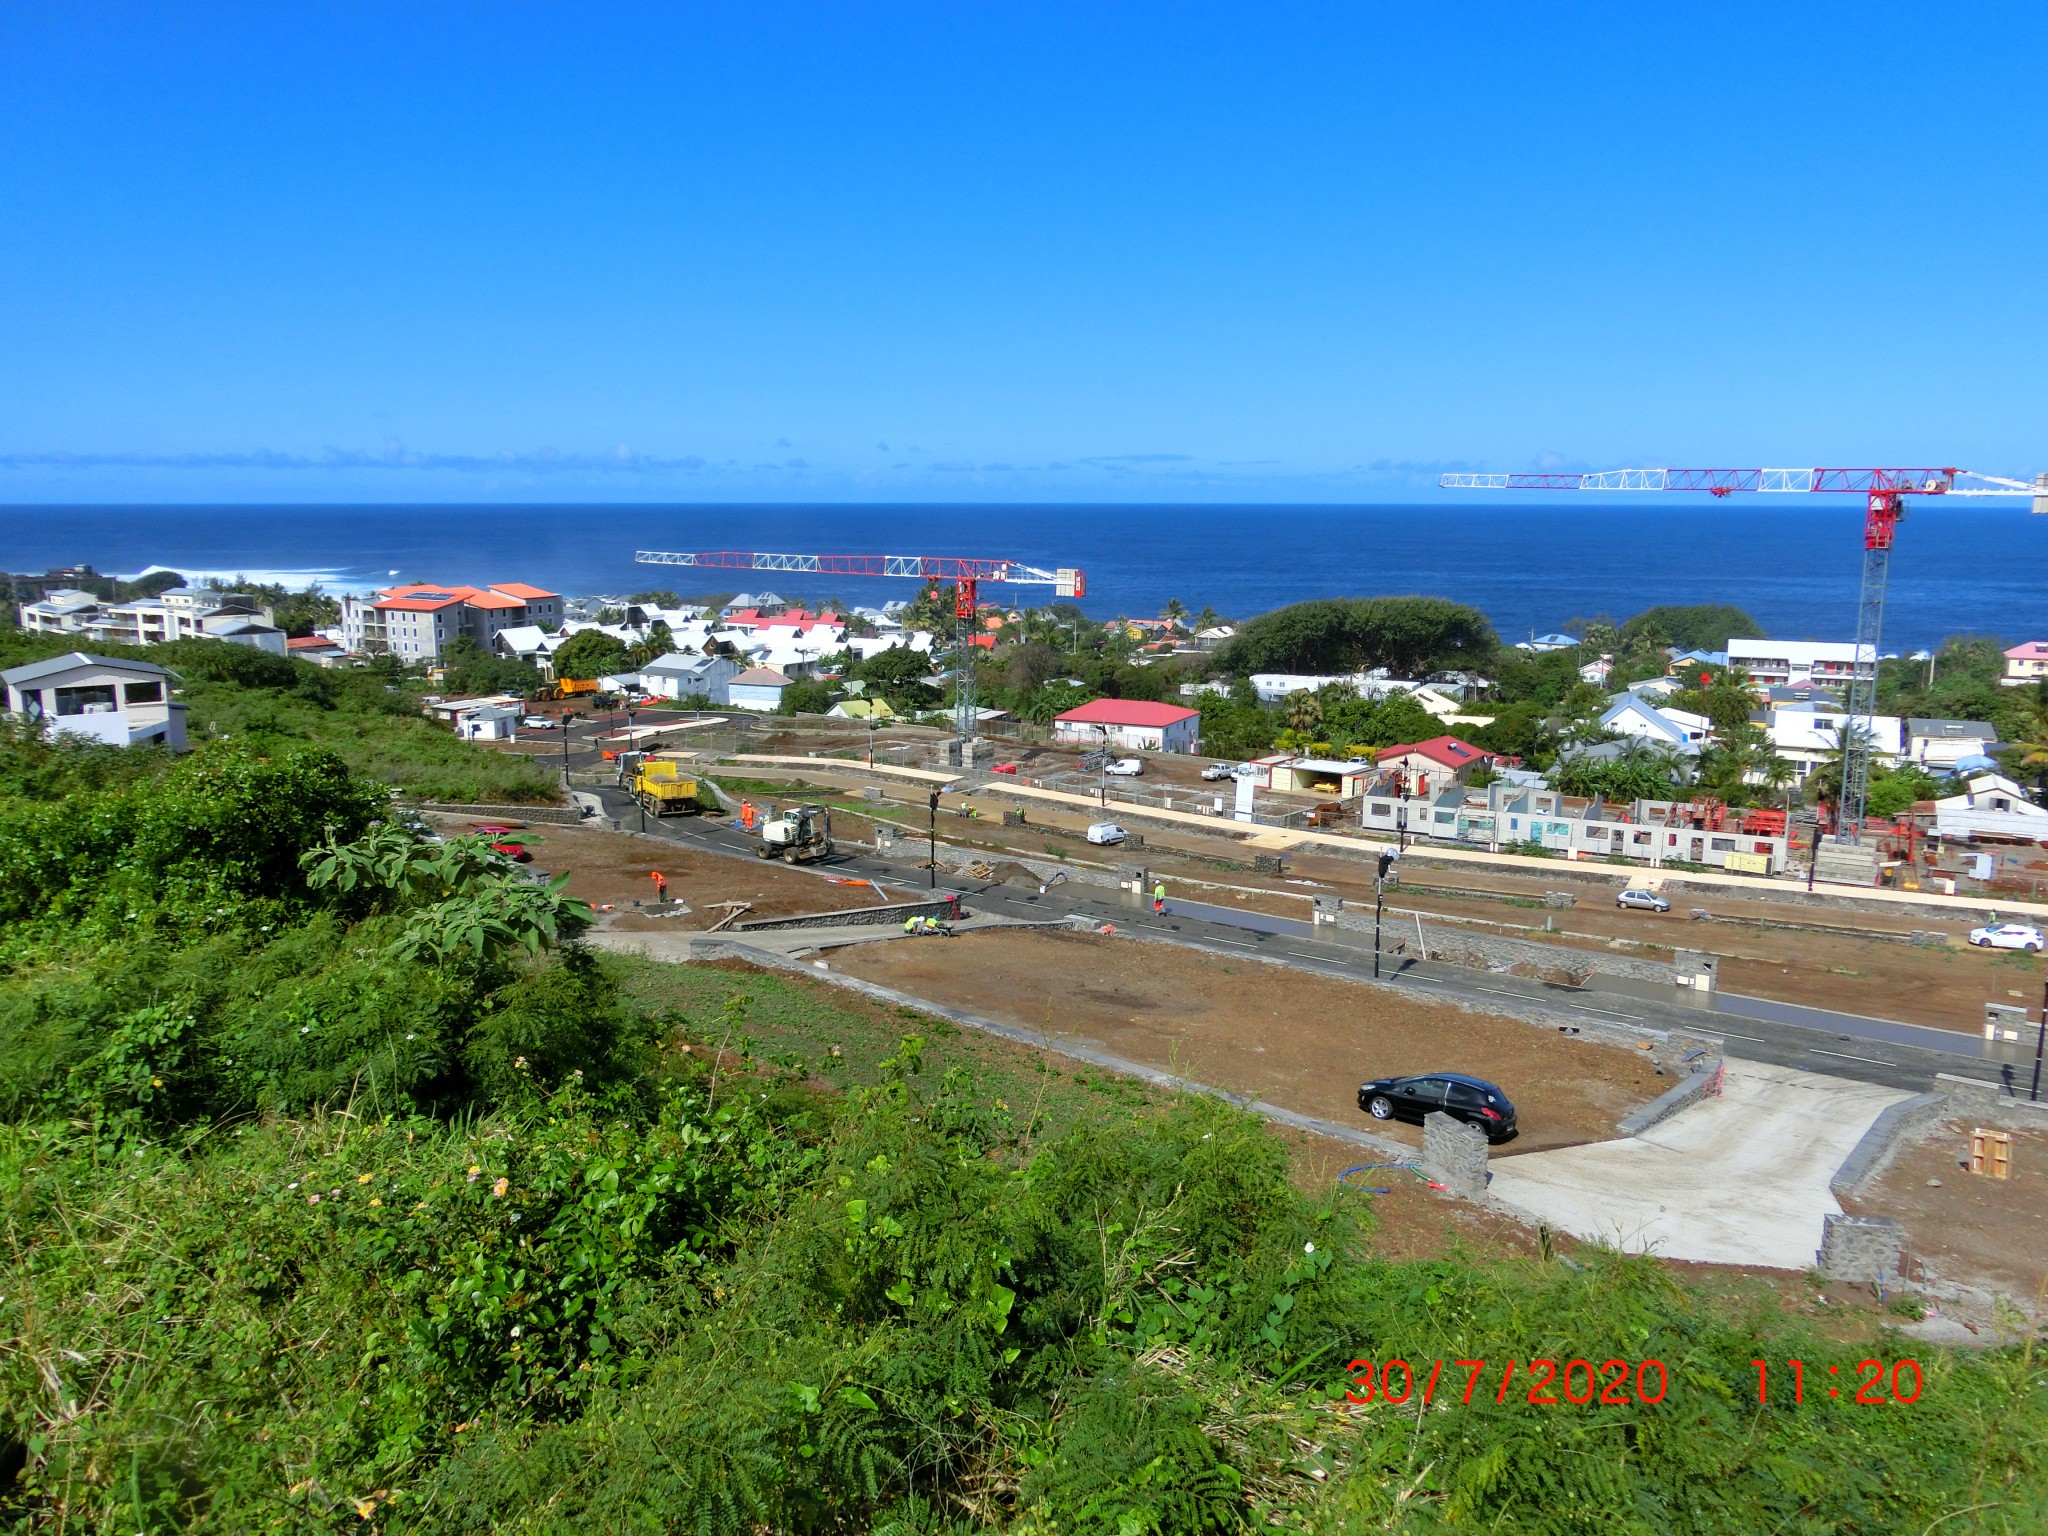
[(677, 946), (1738, 1179)]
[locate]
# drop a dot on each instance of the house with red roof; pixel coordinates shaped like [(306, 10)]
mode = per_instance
[(1132, 725), (2025, 664), (418, 622), (1432, 764)]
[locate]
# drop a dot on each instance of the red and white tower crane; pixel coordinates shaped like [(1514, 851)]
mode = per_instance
[(967, 575), (1884, 492)]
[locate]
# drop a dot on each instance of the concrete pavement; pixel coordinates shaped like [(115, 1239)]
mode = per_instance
[(1737, 1179)]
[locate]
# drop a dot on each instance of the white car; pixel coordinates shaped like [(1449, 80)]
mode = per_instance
[(1216, 772), (1124, 768), (2007, 936), (1103, 833), (540, 723)]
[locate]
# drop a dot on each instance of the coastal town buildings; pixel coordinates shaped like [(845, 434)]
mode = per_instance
[(119, 703), (1435, 762), (418, 622), (178, 613), (1800, 661), (756, 688)]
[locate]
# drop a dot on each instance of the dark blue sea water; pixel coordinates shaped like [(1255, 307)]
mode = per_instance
[(1791, 562)]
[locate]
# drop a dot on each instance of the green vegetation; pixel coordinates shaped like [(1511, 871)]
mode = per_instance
[(370, 717), (1696, 627), (1410, 636), (342, 1191), (590, 653), (340, 1195)]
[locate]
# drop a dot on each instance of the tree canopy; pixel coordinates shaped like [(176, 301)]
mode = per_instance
[(590, 653), (1409, 636), (1691, 627)]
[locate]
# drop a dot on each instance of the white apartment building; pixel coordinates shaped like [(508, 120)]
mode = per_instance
[(1775, 662), (178, 613)]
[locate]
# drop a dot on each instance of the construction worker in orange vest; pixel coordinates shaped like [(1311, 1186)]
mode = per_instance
[(747, 814)]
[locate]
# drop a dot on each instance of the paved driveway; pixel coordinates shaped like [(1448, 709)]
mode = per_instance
[(1739, 1179)]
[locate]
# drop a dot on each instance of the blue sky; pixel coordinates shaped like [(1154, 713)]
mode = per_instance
[(882, 252)]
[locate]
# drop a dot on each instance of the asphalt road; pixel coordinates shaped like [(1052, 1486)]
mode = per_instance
[(1863, 1049)]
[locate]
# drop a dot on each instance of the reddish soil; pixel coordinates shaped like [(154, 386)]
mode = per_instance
[(1970, 1228), (1300, 1041), (615, 869)]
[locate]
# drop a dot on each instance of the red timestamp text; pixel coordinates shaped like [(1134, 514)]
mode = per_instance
[(1875, 1381), (1540, 1383)]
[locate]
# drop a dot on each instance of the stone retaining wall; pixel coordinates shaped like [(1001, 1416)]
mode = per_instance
[(1702, 1082), (547, 815), (1454, 1154), (1867, 1158), (946, 909), (1969, 1099)]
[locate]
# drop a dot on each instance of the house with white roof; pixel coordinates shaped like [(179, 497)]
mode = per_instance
[(121, 703), (1634, 715), (678, 676), (1991, 805), (1807, 733)]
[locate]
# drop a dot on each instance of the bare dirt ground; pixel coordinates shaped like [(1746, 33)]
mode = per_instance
[(1300, 1041), (1831, 960), (615, 869), (1969, 1228)]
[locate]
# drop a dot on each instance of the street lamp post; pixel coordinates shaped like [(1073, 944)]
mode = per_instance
[(935, 838), (1379, 903), (630, 740), (2040, 1040)]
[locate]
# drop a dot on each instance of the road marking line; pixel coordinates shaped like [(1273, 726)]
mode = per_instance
[(1845, 1056)]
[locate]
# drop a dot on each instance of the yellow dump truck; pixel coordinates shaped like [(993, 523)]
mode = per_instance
[(663, 787)]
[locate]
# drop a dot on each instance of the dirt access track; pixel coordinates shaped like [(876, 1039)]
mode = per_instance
[(1300, 1041), (615, 869)]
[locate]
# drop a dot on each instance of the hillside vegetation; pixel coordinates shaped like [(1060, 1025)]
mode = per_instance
[(341, 1190)]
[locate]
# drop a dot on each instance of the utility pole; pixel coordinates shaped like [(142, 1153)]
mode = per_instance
[(1379, 904), (936, 792), (2040, 1040)]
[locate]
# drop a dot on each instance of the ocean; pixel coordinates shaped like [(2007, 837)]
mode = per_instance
[(1792, 563)]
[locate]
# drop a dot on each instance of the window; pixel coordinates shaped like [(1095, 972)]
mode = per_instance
[(1466, 1096), (1641, 837), (1723, 844), (79, 701), (143, 693)]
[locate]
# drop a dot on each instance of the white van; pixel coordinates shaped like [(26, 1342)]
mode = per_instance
[(1103, 833)]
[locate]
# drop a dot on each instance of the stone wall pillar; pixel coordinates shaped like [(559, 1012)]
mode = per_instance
[(1454, 1154), (1860, 1248)]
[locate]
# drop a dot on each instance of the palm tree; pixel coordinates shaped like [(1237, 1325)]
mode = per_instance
[(1304, 712), (1173, 612), (2032, 752), (1827, 778)]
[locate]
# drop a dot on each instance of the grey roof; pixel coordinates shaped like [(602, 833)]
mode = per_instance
[(1975, 729), (35, 671)]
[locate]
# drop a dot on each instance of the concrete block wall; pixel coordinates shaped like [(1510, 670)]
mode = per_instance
[(1454, 1154), (1869, 1156), (1859, 1248)]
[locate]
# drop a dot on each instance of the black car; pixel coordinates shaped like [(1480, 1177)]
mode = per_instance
[(1471, 1099)]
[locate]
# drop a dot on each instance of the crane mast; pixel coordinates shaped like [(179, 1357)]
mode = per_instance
[(1883, 490), (966, 574)]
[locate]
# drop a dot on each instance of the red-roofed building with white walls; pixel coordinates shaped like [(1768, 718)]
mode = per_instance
[(1435, 763), (1133, 725)]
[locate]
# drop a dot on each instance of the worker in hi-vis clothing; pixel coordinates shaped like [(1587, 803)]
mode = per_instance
[(1159, 899)]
